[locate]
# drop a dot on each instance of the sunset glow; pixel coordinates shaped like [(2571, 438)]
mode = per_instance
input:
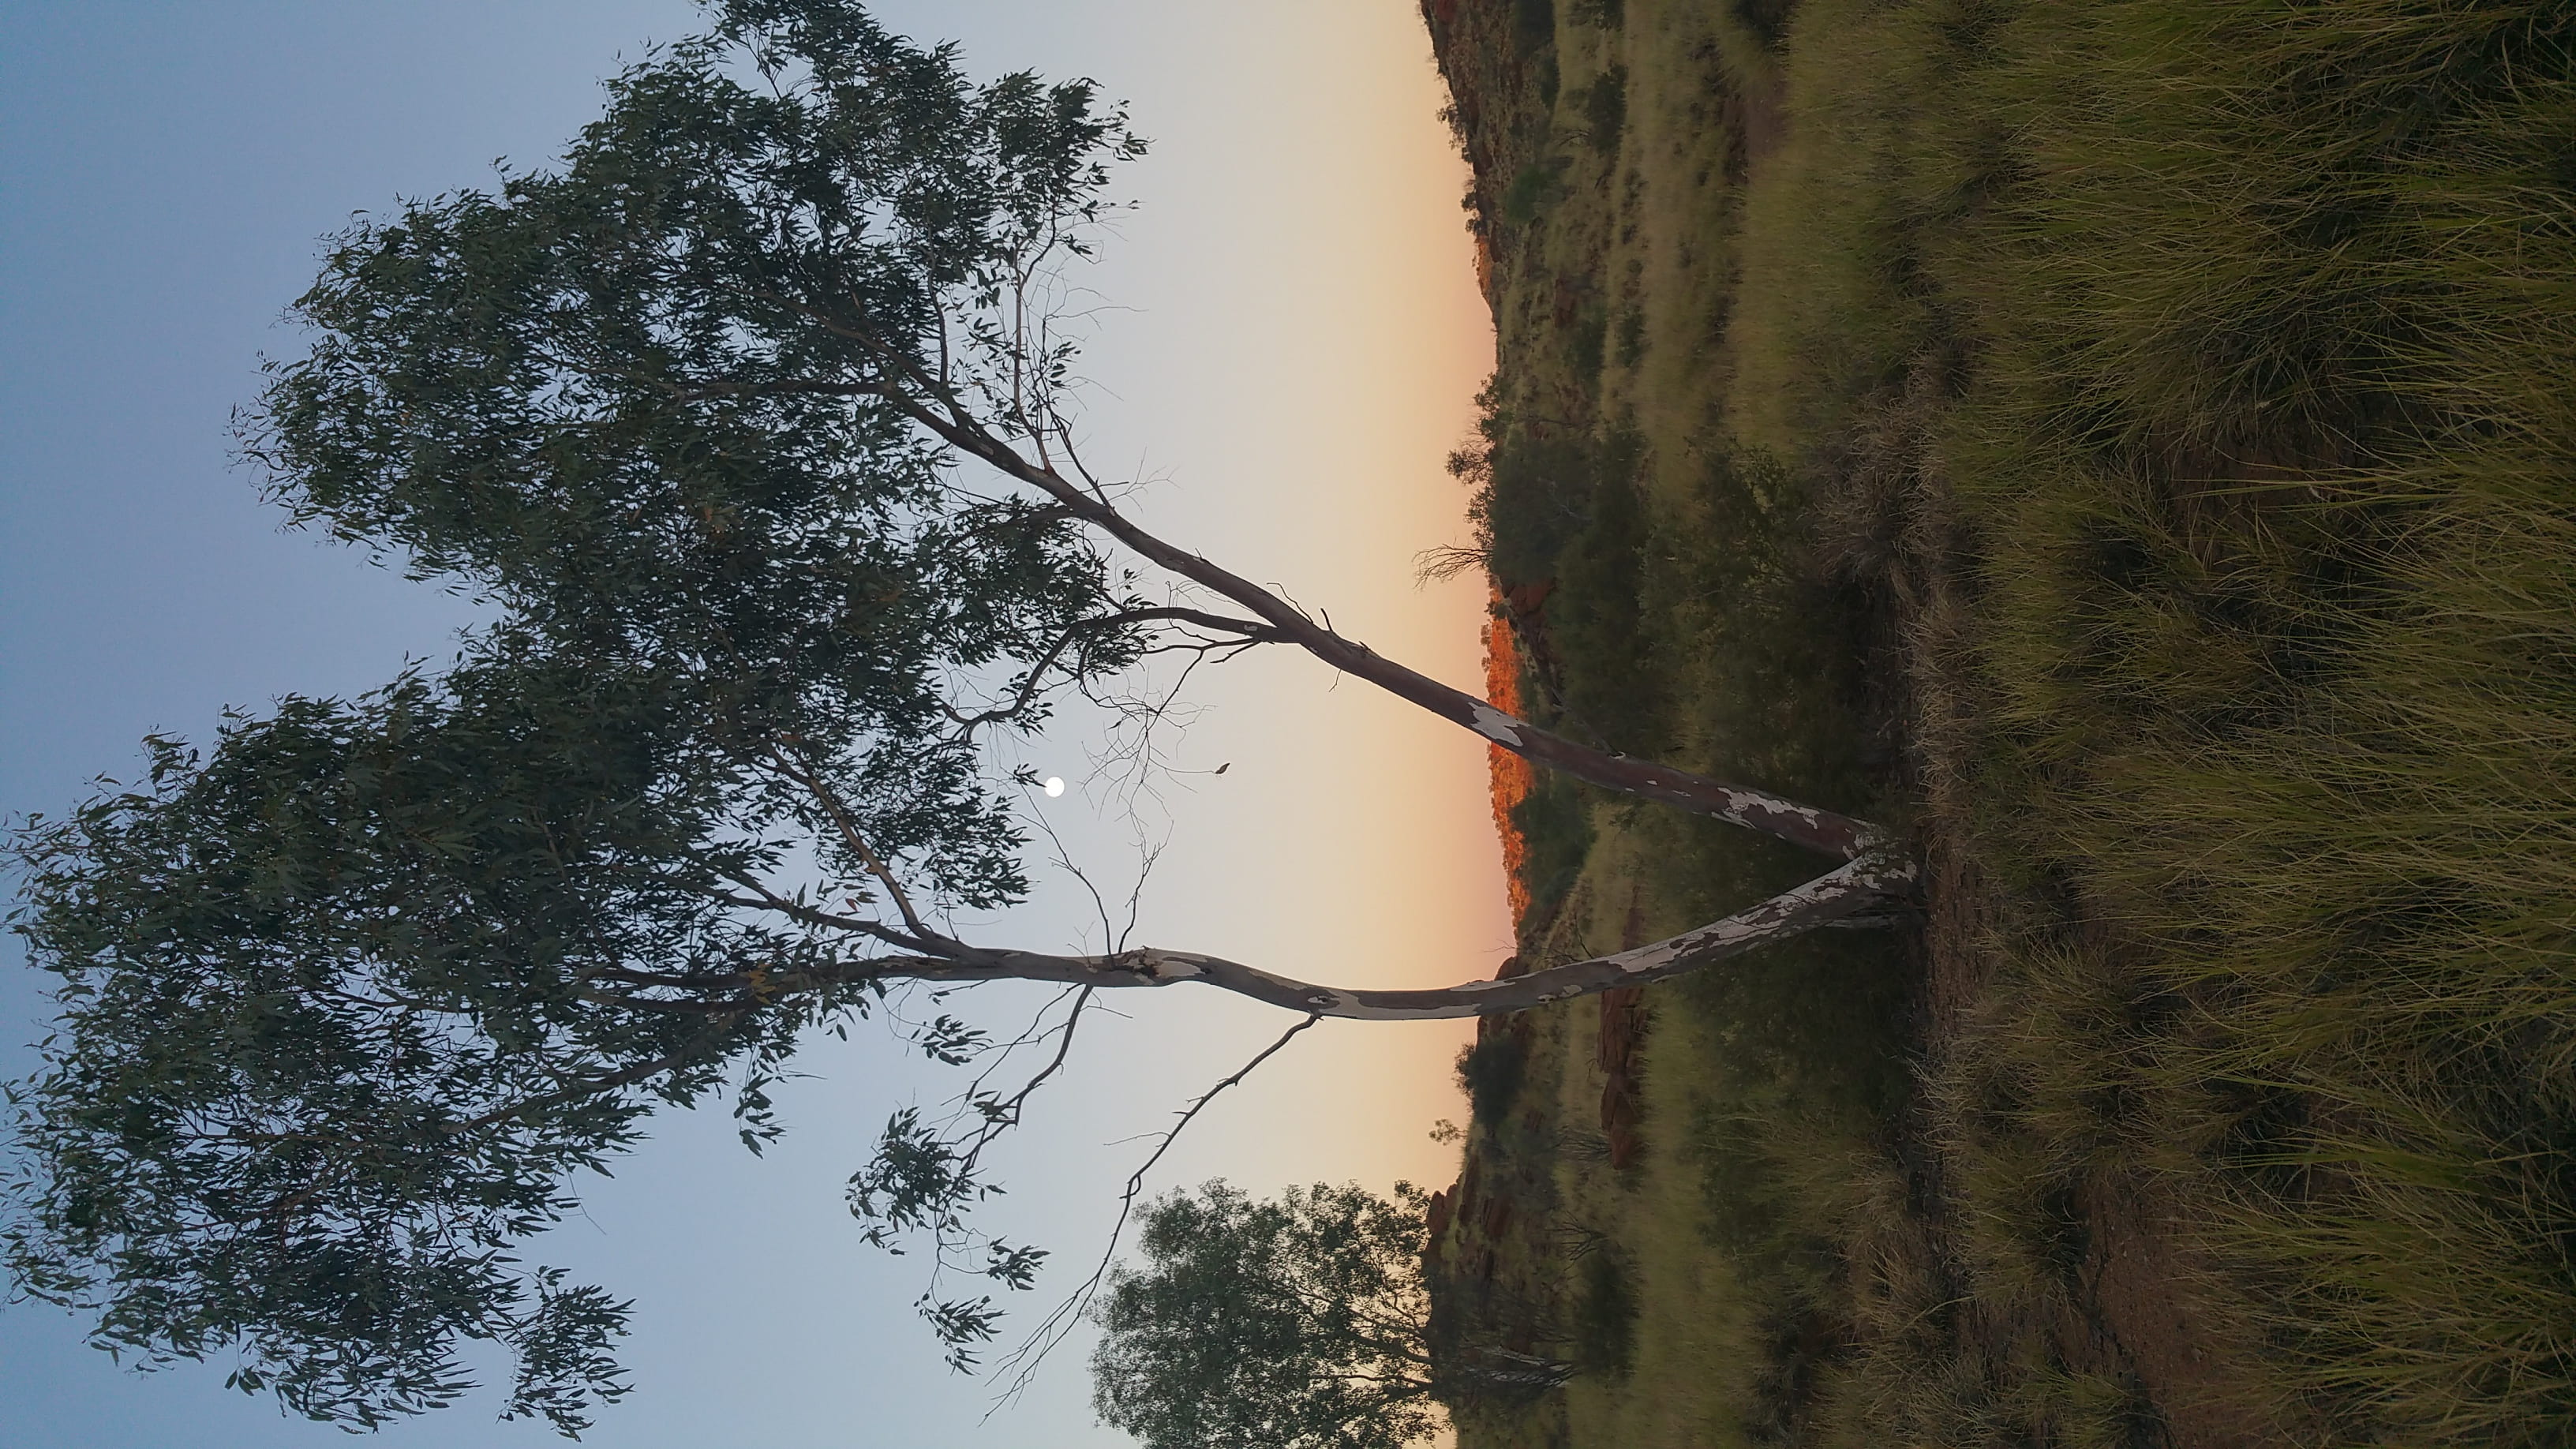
[(1283, 342), (1512, 774)]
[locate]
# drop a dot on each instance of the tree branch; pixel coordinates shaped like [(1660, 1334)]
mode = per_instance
[(1022, 1362), (1005, 1113), (1248, 632), (1859, 885), (770, 900), (1774, 815), (626, 1077), (831, 802)]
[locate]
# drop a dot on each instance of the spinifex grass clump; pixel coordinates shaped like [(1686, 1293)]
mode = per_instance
[(2272, 441), (2193, 383), (2222, 358)]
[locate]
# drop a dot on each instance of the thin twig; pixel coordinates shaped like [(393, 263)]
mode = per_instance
[(812, 780), (1006, 1112), (1022, 1362), (1000, 1053), (1249, 633)]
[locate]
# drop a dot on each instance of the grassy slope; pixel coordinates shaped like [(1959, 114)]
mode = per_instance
[(2190, 388), (1690, 1281)]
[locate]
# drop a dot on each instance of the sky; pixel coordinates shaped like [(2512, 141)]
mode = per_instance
[(1288, 343)]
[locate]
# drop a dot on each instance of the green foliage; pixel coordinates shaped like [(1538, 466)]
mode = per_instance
[(1554, 822), (1534, 23), (1491, 1072), (1534, 38), (1604, 14), (1767, 19), (1631, 338), (2248, 354), (1612, 688), (1605, 109), (345, 1000), (1587, 341), (324, 1047), (1537, 187), (1533, 492), (1605, 1313), (1296, 1323)]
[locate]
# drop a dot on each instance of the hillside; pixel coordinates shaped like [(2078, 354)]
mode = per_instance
[(2129, 444)]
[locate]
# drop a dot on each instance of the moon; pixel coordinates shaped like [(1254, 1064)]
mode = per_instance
[(1054, 786)]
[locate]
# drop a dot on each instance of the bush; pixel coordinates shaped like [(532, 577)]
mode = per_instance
[(1605, 1315), (1605, 109), (1492, 1071)]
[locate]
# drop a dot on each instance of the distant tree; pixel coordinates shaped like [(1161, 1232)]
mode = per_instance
[(345, 999), (1296, 1323)]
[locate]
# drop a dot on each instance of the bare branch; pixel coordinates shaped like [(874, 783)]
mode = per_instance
[(1247, 632), (830, 800), (1443, 562), (1022, 1362), (1774, 815), (1005, 1114), (1865, 884)]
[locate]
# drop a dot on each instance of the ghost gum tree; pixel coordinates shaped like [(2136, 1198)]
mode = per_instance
[(746, 422)]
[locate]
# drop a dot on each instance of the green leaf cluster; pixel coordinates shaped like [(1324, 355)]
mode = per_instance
[(1295, 1323), (346, 998)]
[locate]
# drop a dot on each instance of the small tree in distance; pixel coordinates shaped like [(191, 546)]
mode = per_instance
[(746, 422), (1296, 1323)]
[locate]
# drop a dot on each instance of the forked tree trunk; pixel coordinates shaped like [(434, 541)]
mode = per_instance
[(1877, 870)]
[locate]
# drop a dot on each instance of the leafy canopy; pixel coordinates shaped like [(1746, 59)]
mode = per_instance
[(347, 997), (1297, 1323)]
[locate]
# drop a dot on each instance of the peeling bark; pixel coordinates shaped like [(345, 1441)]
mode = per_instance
[(1863, 884)]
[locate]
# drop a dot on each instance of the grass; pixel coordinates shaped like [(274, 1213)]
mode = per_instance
[(2263, 328), (1688, 1282), (2164, 413)]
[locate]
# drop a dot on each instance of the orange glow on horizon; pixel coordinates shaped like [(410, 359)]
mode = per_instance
[(1512, 775), (1316, 331)]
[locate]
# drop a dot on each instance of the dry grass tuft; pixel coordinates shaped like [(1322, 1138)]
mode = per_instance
[(2173, 406)]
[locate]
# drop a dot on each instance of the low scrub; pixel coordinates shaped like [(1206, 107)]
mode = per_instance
[(2140, 437)]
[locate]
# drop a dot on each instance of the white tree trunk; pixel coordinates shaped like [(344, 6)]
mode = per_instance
[(1863, 884), (1781, 818)]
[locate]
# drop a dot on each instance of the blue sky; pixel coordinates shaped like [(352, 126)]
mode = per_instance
[(1293, 344)]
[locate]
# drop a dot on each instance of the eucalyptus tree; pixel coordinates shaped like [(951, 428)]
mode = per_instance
[(1301, 1322), (747, 422)]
